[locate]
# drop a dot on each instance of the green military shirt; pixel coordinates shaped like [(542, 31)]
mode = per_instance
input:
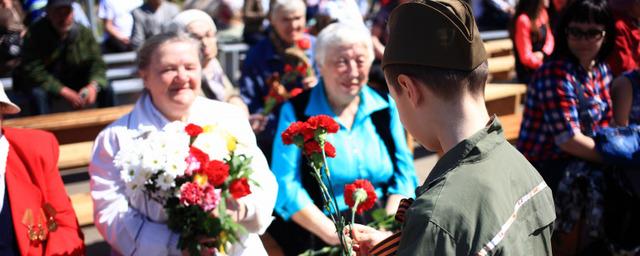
[(50, 62), (481, 198)]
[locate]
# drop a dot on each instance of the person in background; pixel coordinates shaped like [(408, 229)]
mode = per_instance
[(68, 66), (230, 16), (270, 56), (118, 23), (493, 14), (343, 54), (625, 97), (626, 52), (149, 18), (567, 102), (254, 17), (532, 37), (12, 31), (215, 84), (482, 196), (169, 66), (36, 216)]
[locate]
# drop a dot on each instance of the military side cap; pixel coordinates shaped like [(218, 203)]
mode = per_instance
[(440, 34)]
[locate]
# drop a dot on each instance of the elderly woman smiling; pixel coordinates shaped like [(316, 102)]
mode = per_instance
[(344, 55), (170, 68)]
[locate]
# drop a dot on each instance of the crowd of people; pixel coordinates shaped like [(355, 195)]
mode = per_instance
[(571, 174)]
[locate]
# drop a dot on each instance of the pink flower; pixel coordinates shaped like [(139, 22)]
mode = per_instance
[(210, 199), (191, 194)]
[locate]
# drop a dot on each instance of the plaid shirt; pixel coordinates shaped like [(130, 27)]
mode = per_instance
[(553, 112)]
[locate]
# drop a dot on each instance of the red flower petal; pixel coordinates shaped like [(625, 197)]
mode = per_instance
[(323, 121), (193, 130), (350, 189), (295, 92), (304, 43), (288, 68), (217, 172), (294, 129), (239, 188)]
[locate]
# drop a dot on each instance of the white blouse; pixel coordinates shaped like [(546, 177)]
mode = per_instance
[(136, 226)]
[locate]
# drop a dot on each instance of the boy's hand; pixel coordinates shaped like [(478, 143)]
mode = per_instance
[(364, 238)]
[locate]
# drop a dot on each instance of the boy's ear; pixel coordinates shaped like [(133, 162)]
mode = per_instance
[(412, 88)]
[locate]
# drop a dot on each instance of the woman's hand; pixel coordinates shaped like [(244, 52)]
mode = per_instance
[(258, 122), (204, 250), (72, 97), (363, 238), (235, 209)]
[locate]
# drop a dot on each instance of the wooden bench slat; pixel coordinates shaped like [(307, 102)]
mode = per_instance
[(83, 206), (68, 120), (75, 155), (511, 126), (501, 64), (498, 47)]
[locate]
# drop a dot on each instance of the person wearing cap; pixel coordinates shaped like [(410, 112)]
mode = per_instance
[(62, 60), (482, 197), (36, 216)]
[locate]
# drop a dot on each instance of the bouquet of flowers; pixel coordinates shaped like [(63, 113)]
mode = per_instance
[(291, 78), (311, 137), (194, 172)]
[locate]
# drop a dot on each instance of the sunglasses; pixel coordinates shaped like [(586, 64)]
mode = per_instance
[(591, 34)]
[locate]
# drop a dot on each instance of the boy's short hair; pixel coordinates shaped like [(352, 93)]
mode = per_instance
[(446, 83)]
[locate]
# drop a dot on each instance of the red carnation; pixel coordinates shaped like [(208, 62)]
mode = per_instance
[(288, 68), (217, 172), (312, 146), (304, 43), (302, 68), (193, 130), (196, 160), (323, 121), (295, 92), (239, 188), (362, 193), (191, 194), (289, 135)]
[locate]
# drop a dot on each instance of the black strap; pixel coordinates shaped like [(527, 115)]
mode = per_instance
[(381, 120)]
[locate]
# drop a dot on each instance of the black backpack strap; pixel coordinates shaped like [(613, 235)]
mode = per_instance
[(381, 120)]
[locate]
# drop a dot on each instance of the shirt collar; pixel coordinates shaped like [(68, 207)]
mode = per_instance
[(370, 101), (468, 150)]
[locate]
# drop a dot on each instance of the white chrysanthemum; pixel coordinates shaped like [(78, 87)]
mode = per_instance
[(165, 182), (154, 161), (174, 127), (175, 167)]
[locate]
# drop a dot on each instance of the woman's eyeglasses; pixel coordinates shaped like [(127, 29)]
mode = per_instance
[(591, 34)]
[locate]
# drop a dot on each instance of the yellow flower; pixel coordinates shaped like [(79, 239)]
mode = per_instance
[(208, 128), (200, 179), (232, 142)]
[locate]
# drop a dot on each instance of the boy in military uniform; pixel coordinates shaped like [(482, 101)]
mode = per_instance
[(482, 197)]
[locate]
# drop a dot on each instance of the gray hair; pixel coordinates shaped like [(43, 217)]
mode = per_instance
[(278, 6), (338, 34), (149, 47), (181, 21)]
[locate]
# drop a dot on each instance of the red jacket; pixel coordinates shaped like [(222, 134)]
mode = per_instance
[(626, 52), (32, 179)]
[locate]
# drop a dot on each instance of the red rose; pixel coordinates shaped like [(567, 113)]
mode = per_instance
[(239, 188), (289, 135), (304, 43), (312, 146), (193, 130), (295, 92), (361, 191), (191, 194), (323, 121), (217, 172), (288, 68)]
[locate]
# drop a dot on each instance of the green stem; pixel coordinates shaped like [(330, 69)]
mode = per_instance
[(346, 249)]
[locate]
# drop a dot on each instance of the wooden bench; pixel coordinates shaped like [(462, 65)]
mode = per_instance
[(496, 48), (504, 99), (83, 206), (502, 67), (72, 127), (511, 126)]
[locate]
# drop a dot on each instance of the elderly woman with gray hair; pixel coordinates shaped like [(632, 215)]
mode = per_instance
[(215, 84), (169, 66), (370, 143)]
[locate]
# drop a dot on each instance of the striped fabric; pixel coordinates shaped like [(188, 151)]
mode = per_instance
[(389, 246)]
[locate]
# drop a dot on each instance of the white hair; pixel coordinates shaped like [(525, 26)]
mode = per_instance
[(279, 6), (338, 34), (181, 21)]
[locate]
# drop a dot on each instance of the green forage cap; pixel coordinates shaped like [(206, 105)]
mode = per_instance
[(439, 33)]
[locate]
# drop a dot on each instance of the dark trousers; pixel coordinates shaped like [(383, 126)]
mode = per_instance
[(42, 101)]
